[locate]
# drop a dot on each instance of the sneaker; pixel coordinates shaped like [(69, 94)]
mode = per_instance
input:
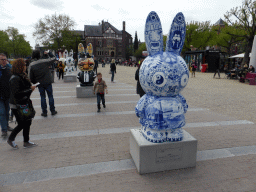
[(12, 144), (9, 129), (44, 114), (104, 106), (54, 112), (29, 144), (4, 133), (98, 110)]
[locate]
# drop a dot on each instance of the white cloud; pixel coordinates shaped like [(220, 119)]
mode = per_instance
[(48, 4), (23, 14)]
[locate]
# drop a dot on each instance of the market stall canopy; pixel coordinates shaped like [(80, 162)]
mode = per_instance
[(241, 55)]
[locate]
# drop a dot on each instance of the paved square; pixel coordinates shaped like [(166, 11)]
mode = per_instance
[(82, 150)]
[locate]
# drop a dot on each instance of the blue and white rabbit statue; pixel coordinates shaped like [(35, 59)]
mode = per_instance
[(162, 76)]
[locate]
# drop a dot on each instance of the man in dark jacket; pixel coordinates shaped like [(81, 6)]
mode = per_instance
[(5, 75), (39, 72)]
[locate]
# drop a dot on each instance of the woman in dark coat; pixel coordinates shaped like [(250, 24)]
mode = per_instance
[(113, 70), (21, 89), (139, 89)]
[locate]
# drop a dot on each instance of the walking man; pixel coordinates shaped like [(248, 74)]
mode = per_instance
[(39, 72), (5, 75)]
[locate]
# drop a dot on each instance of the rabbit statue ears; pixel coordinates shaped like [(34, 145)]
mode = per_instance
[(154, 34)]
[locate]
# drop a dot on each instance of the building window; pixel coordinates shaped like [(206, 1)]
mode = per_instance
[(100, 43), (109, 43)]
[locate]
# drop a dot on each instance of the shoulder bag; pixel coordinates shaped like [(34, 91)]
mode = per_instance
[(26, 111)]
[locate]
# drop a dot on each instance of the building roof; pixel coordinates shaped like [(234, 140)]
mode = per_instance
[(96, 30), (81, 33), (107, 25), (220, 22), (93, 30)]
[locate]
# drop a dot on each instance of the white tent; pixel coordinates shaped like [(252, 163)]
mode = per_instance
[(241, 55)]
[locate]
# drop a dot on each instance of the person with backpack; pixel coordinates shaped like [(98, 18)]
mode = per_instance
[(39, 72), (61, 68)]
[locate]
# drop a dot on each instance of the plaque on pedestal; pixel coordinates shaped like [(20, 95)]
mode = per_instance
[(83, 92), (154, 157), (70, 78)]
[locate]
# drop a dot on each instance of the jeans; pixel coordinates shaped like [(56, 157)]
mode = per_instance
[(25, 125), (61, 73), (4, 113), (42, 89), (112, 77), (217, 71), (100, 97)]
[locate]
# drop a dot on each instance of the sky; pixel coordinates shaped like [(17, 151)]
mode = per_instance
[(24, 14)]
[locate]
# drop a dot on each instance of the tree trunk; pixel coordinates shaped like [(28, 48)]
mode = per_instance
[(248, 51)]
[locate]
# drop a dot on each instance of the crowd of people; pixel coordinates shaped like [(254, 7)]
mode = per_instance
[(16, 86), (238, 71), (19, 80)]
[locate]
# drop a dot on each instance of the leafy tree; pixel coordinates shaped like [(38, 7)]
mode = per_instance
[(198, 34), (136, 43), (4, 39), (69, 39), (17, 45), (246, 20), (138, 52), (49, 29), (224, 39), (129, 52)]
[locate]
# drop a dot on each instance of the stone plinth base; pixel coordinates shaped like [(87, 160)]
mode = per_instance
[(70, 78), (82, 92), (153, 157)]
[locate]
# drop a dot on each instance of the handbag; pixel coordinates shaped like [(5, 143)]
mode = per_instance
[(26, 111), (110, 71)]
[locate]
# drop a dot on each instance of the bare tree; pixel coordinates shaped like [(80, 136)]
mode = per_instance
[(49, 29), (246, 19)]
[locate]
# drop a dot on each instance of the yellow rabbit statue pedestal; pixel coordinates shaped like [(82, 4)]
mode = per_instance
[(84, 91)]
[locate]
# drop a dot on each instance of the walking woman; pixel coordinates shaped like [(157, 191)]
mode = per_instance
[(21, 89), (113, 70), (193, 68)]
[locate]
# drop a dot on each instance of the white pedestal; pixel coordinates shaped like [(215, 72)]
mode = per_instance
[(83, 92), (154, 157), (70, 78)]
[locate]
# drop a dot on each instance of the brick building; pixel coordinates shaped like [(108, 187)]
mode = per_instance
[(107, 41)]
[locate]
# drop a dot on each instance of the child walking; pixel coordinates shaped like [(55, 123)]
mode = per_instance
[(99, 87)]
